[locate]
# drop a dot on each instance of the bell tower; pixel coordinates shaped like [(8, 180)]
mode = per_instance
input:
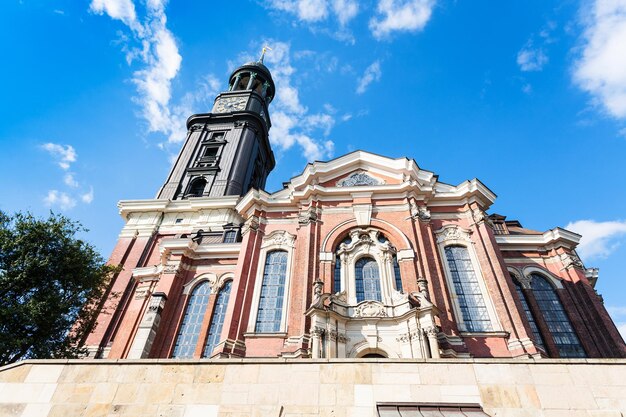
[(227, 151)]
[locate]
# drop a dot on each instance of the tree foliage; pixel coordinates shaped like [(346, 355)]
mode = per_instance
[(49, 284)]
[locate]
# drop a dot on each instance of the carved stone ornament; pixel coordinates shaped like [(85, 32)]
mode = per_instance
[(307, 216), (452, 233), (251, 224), (480, 216), (432, 331), (170, 268), (279, 238), (358, 179), (524, 281), (317, 331), (341, 297), (571, 260), (422, 286), (318, 288), (406, 337), (370, 309)]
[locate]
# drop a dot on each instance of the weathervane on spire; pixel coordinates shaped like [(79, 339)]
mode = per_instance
[(265, 49)]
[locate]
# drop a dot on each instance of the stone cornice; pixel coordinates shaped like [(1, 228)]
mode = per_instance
[(551, 239), (127, 207)]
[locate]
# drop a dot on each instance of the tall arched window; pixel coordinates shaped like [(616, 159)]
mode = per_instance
[(187, 337), (396, 273), (556, 319), (367, 280), (467, 289), (529, 315), (270, 310), (217, 319)]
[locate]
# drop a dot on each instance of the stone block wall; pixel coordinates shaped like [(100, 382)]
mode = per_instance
[(299, 388)]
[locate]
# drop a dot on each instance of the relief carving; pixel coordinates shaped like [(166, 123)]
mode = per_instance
[(279, 238), (452, 233), (358, 179), (307, 216), (370, 309)]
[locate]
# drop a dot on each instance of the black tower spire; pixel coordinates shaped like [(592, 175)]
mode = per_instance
[(227, 151)]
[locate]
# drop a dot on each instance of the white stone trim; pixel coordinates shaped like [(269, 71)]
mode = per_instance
[(552, 279), (452, 235), (277, 240)]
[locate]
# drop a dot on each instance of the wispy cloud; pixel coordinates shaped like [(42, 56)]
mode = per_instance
[(618, 314), (70, 180), (154, 46), (400, 16), (87, 198), (311, 11), (599, 239), (531, 58), (600, 69), (372, 73), (63, 154), (60, 199), (292, 123)]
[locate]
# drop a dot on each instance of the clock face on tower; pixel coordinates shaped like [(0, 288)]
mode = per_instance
[(230, 104)]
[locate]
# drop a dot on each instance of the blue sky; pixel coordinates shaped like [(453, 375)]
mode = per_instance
[(527, 96)]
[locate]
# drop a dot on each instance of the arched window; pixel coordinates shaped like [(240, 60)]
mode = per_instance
[(197, 187), (187, 337), (556, 319), (270, 310), (396, 273), (529, 315), (367, 280), (467, 289), (217, 319)]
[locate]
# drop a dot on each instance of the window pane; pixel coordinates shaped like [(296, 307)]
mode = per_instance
[(559, 325), (367, 280), (230, 236), (272, 293), (337, 277), (217, 320), (529, 316), (467, 288), (396, 271), (189, 331)]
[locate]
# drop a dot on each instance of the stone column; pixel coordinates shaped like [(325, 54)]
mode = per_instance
[(317, 334), (148, 327), (433, 344)]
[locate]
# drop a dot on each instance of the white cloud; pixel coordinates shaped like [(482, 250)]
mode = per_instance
[(123, 10), (400, 15), (87, 198), (155, 47), (527, 88), (371, 74), (345, 10), (61, 199), (622, 329), (291, 122), (599, 239), (530, 58), (64, 154), (312, 11), (601, 68), (70, 180)]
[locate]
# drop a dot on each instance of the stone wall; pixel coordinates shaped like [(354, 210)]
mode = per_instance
[(290, 388)]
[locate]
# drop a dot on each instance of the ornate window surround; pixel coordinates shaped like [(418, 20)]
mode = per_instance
[(452, 235), (365, 243), (276, 240)]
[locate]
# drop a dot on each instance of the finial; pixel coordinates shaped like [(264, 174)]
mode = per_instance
[(265, 49)]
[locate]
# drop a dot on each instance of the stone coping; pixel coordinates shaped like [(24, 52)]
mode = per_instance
[(295, 361)]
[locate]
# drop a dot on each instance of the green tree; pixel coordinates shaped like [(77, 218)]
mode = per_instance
[(50, 284)]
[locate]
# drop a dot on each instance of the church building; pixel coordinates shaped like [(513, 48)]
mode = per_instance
[(364, 287)]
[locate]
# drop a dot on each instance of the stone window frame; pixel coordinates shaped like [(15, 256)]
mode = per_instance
[(525, 278), (453, 235), (276, 240), (358, 248), (216, 284)]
